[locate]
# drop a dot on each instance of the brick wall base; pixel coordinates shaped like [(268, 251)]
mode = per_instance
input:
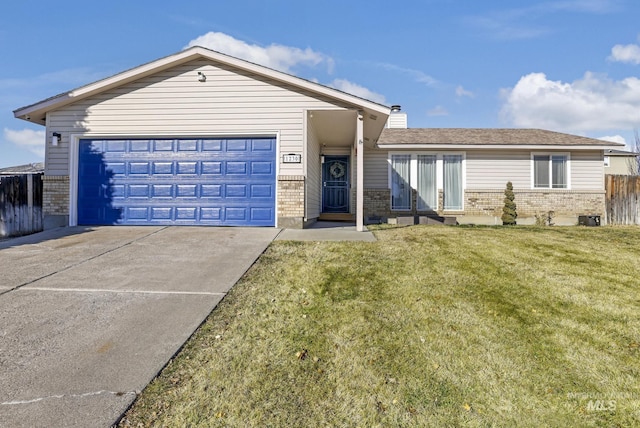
[(485, 206), (291, 201), (55, 201)]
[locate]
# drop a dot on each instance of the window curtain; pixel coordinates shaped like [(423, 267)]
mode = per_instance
[(427, 192), (559, 172), (400, 188), (452, 182), (540, 171)]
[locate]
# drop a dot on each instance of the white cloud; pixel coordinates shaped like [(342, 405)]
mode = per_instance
[(279, 57), (613, 139), (416, 75), (591, 103), (530, 21), (461, 92), (357, 90), (34, 141), (625, 53), (438, 111)]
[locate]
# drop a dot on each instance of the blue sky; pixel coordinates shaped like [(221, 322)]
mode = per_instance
[(568, 65)]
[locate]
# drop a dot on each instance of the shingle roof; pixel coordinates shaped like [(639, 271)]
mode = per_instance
[(485, 136), (31, 168)]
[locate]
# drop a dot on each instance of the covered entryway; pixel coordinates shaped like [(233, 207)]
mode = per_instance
[(178, 181)]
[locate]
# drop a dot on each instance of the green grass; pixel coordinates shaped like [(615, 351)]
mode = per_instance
[(429, 326)]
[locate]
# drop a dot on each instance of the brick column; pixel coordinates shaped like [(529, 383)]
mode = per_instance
[(291, 201), (55, 200)]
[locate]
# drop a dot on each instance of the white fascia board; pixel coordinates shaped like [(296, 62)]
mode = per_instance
[(487, 146)]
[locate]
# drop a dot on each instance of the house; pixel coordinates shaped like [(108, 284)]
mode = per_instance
[(30, 168), (620, 162), (202, 138)]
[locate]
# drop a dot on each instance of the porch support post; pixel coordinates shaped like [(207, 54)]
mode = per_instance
[(360, 172)]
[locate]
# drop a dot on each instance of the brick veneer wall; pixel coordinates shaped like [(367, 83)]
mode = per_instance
[(531, 202), (55, 198), (483, 202), (291, 201)]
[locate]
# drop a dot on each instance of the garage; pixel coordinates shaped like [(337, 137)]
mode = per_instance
[(177, 181)]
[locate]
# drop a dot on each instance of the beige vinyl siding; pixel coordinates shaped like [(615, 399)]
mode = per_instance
[(173, 101), (314, 174), (376, 169), (587, 170), (492, 169)]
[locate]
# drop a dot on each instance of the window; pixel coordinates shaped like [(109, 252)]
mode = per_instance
[(426, 174), (427, 183), (400, 187), (453, 192), (551, 171)]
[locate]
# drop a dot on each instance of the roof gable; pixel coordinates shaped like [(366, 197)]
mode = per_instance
[(36, 113)]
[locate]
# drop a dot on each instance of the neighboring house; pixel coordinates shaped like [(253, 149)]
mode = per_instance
[(620, 162), (202, 138), (31, 168)]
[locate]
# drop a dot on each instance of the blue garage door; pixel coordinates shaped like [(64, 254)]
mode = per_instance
[(225, 182)]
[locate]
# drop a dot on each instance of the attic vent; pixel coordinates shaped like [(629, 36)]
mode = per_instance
[(397, 118)]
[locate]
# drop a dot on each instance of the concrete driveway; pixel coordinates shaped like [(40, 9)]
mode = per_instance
[(88, 316)]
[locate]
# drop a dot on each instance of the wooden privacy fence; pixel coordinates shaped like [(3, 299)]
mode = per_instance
[(622, 199), (20, 204)]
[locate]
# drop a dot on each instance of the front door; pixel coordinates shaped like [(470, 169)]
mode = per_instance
[(335, 184)]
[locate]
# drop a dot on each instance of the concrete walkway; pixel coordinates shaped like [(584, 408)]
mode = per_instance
[(89, 316), (327, 231)]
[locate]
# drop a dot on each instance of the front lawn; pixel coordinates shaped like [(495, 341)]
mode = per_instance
[(429, 326)]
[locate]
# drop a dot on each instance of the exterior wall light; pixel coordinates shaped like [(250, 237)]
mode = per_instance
[(56, 137), (201, 77)]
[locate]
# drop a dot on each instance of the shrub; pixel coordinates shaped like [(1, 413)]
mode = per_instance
[(509, 213)]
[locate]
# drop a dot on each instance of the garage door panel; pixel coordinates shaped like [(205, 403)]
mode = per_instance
[(139, 168), (163, 145), (162, 190), (138, 191), (212, 145), (162, 168), (140, 145), (211, 168), (187, 145), (236, 145), (236, 168), (182, 181), (212, 191), (186, 168), (261, 168)]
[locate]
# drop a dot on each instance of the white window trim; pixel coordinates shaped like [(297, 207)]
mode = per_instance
[(532, 170), (413, 174)]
